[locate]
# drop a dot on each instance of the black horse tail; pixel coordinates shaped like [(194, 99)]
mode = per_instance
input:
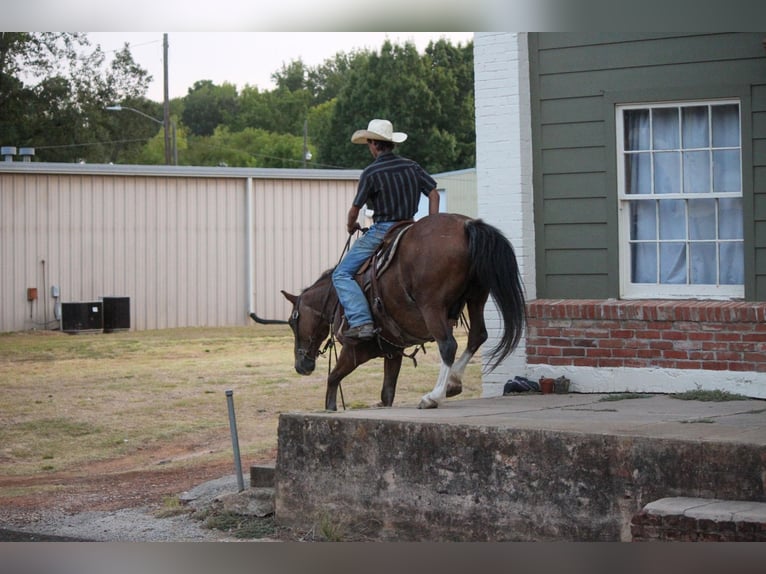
[(495, 267)]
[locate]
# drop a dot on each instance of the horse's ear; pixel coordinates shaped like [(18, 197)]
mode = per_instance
[(292, 298)]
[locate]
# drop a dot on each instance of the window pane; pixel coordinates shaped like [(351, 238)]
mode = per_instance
[(703, 263), (638, 171), (726, 171), (732, 263), (667, 173), (665, 128), (672, 219), (696, 172), (636, 129), (643, 220), (673, 263), (644, 261), (702, 219), (730, 225), (725, 126), (695, 127)]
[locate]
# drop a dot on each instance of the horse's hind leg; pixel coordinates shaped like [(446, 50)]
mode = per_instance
[(442, 332), (477, 335)]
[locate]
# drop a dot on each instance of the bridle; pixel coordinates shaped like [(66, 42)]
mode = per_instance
[(330, 344), (293, 322)]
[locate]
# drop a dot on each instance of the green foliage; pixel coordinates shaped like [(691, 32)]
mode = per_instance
[(430, 97), (247, 148), (54, 89), (207, 106)]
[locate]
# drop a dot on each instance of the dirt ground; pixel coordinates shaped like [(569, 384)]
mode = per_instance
[(103, 486)]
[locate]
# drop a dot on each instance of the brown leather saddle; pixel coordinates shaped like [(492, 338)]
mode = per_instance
[(376, 265), (389, 332)]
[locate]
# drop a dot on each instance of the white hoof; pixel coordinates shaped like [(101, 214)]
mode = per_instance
[(427, 403)]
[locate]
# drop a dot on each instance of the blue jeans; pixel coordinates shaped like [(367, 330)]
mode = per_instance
[(349, 293)]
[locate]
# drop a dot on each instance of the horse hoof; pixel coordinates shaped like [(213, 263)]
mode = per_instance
[(454, 390), (426, 403)]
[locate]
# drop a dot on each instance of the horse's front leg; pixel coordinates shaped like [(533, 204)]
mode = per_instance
[(351, 356), (391, 367)]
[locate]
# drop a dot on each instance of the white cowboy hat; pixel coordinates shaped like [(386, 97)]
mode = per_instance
[(378, 130)]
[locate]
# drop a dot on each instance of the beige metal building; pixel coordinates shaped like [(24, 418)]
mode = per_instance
[(188, 246)]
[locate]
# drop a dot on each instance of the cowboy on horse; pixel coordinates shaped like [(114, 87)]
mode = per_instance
[(391, 186)]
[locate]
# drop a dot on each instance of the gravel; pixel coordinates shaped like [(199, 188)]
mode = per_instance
[(138, 524)]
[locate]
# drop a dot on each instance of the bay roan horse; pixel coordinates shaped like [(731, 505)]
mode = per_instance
[(443, 264)]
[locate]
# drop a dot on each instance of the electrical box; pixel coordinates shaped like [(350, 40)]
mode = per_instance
[(116, 314), (80, 317)]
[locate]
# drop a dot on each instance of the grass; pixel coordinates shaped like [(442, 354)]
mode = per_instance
[(709, 396), (67, 401), (623, 397)]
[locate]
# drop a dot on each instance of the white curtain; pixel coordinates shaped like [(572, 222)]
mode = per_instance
[(677, 240)]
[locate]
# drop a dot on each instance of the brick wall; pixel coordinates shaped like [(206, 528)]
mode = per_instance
[(709, 335)]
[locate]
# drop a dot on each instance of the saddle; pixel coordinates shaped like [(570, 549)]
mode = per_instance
[(376, 265), (367, 277)]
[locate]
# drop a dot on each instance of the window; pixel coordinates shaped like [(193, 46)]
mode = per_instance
[(680, 196)]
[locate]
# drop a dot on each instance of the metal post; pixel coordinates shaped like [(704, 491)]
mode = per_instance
[(166, 102), (235, 440)]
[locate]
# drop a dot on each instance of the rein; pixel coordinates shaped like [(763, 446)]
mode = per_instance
[(330, 344)]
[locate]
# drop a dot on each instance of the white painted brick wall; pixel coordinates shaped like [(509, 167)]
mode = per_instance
[(504, 168)]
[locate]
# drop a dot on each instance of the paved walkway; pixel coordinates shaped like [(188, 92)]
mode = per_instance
[(657, 416)]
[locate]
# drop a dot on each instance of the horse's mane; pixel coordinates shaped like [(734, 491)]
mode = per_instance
[(327, 273)]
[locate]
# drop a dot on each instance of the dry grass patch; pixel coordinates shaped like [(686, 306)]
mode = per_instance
[(158, 397)]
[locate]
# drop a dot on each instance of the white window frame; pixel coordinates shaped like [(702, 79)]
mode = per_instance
[(629, 290)]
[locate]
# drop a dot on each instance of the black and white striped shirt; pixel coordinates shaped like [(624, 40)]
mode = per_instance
[(391, 186)]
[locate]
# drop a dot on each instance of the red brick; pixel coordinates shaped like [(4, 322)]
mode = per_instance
[(673, 335), (715, 365), (573, 352), (647, 334)]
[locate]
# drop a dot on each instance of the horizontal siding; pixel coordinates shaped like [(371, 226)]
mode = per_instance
[(578, 236), (574, 134), (571, 261), (573, 160), (576, 39), (579, 286), (564, 110), (685, 75), (575, 185), (576, 77), (646, 52), (575, 210), (759, 186)]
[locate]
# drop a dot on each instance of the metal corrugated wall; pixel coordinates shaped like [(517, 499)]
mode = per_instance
[(175, 242)]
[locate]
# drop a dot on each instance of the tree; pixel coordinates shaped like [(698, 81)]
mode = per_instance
[(422, 96), (53, 91), (208, 106), (247, 148)]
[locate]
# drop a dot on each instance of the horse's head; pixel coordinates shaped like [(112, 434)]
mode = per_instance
[(310, 328)]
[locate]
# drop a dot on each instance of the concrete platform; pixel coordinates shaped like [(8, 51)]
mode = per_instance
[(522, 467)]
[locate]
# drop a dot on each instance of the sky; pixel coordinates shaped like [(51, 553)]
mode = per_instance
[(242, 58)]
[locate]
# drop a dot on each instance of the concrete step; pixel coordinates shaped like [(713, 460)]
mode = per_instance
[(687, 519)]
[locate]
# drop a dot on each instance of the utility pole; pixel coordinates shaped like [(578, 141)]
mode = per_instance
[(166, 107)]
